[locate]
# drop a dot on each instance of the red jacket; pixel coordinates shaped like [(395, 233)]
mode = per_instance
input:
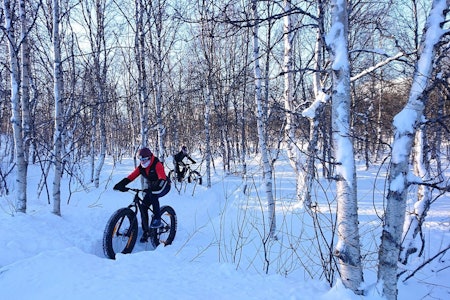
[(159, 170)]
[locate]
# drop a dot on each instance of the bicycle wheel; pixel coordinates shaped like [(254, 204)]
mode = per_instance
[(195, 177), (165, 234), (173, 178), (172, 175), (120, 233)]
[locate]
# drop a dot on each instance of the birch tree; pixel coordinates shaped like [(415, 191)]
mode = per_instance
[(348, 247), (415, 218), (157, 39), (267, 169), (207, 42), (59, 112), (95, 17), (163, 32), (313, 111), (406, 124), (292, 143), (16, 118), (243, 115), (25, 82), (139, 48)]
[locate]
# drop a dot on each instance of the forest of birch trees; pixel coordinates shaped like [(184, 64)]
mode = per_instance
[(328, 82)]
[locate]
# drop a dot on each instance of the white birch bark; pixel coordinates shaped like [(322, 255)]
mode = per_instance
[(244, 117), (208, 133), (437, 145), (415, 218), (142, 77), (313, 112), (243, 141), (379, 144), (100, 66), (158, 77), (102, 154), (25, 83), (96, 85), (161, 130), (348, 247), (16, 114), (94, 120), (207, 45), (405, 126), (58, 86), (158, 96), (292, 144), (267, 170)]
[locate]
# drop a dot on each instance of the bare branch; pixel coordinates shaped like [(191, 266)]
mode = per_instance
[(377, 66), (426, 262)]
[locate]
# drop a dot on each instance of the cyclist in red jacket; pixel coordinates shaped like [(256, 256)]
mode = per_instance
[(158, 186)]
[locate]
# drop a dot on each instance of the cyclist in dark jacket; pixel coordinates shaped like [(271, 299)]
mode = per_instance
[(180, 166), (158, 186)]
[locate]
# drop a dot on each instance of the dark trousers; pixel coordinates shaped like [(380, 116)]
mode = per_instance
[(153, 200)]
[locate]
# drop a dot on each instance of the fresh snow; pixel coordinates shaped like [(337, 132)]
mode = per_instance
[(44, 256)]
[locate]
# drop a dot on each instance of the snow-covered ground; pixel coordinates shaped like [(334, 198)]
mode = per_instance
[(217, 253)]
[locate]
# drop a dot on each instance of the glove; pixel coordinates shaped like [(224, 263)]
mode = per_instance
[(121, 185)]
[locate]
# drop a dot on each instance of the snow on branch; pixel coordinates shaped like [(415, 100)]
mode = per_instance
[(310, 112), (377, 66)]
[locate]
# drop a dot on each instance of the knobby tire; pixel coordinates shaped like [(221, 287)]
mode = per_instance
[(120, 233), (173, 178), (195, 177), (166, 234)]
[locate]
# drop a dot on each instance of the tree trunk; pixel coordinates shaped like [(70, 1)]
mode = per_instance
[(157, 78), (348, 248), (293, 147), (267, 169), (161, 132), (142, 70), (16, 117), (405, 126), (94, 121), (207, 126), (25, 83), (100, 66), (436, 146), (59, 116), (313, 112), (207, 35), (415, 218), (243, 116)]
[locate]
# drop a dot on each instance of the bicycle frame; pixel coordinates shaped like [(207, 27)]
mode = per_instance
[(135, 207), (187, 171)]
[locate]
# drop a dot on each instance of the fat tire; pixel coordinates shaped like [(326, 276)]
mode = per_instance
[(173, 178), (195, 177), (166, 234), (120, 233)]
